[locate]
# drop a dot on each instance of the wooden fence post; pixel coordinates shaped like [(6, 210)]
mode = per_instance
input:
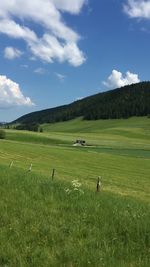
[(53, 174), (30, 168), (11, 164), (98, 185)]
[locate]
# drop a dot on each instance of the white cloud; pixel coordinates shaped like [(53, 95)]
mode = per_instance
[(59, 42), (49, 48), (60, 76), (116, 79), (11, 53), (14, 30), (138, 8), (73, 6), (40, 71), (11, 95)]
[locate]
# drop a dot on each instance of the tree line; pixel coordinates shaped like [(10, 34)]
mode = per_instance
[(131, 100)]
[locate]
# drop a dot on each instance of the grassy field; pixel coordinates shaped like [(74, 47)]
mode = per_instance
[(53, 223)]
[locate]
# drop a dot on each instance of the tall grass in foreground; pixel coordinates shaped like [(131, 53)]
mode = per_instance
[(45, 223)]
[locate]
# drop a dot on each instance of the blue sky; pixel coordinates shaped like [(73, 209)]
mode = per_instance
[(53, 52)]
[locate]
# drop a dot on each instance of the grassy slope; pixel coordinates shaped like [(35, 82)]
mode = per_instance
[(42, 225), (79, 125), (121, 155), (134, 132), (101, 131)]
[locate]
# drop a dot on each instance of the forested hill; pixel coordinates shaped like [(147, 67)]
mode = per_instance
[(131, 100)]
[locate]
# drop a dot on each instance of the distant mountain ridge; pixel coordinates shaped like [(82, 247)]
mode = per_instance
[(125, 102)]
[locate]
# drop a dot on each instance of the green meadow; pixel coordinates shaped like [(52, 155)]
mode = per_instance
[(45, 222)]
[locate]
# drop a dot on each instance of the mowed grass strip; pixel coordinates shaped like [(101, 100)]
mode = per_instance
[(41, 224)]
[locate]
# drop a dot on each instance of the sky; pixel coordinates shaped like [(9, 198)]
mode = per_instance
[(54, 52)]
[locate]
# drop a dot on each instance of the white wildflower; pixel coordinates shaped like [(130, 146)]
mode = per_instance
[(67, 190), (75, 189), (76, 186), (76, 183)]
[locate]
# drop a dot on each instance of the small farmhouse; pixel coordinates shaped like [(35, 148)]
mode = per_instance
[(79, 142)]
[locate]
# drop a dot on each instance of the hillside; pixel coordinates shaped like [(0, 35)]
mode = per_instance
[(125, 102)]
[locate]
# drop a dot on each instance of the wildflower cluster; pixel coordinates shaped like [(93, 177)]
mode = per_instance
[(76, 186)]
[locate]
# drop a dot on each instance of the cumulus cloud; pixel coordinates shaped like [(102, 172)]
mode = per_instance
[(11, 53), (116, 79), (11, 95), (138, 8), (59, 41)]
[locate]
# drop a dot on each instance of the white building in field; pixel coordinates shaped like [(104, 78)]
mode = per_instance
[(79, 142)]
